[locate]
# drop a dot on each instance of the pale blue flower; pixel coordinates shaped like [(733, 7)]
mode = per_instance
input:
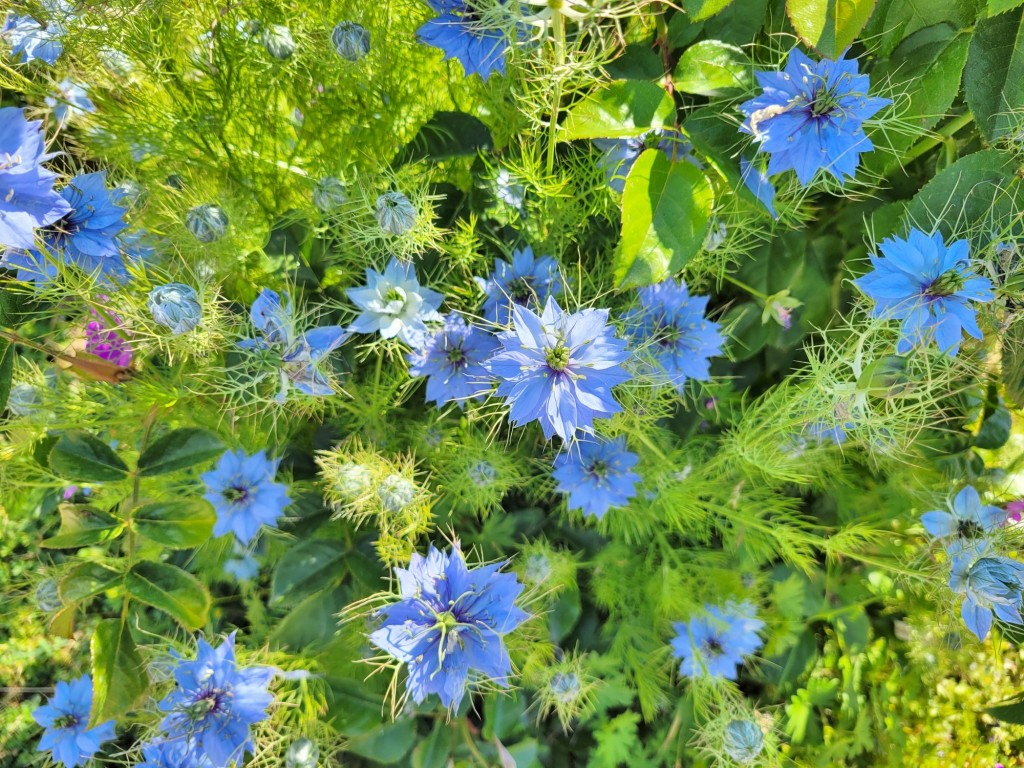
[(394, 304)]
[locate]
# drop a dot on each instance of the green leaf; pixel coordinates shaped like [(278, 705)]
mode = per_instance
[(387, 744), (739, 23), (175, 524), (617, 742), (86, 580), (995, 7), (712, 68), (81, 457), (995, 429), (829, 26), (434, 750), (445, 135), (308, 567), (895, 20), (504, 716), (564, 614), (994, 75), (171, 590), (704, 9), (353, 709), (666, 207), (312, 621), (119, 676), (179, 449), (623, 108), (1009, 711), (81, 526), (7, 355)]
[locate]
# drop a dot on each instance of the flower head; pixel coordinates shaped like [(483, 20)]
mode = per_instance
[(671, 325), (449, 624), (244, 495), (71, 100), (526, 281), (172, 753), (175, 306), (277, 40), (28, 200), (990, 584), (396, 493), (715, 644), (811, 115), (215, 703), (30, 40), (394, 303), (108, 343), (207, 222), (597, 475), (302, 753), (66, 719), (395, 213), (928, 286), (743, 740), (351, 41), (966, 520), (460, 31), (559, 369), (619, 155), (452, 359), (298, 355)]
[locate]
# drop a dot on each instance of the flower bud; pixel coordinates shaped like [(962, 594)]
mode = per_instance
[(537, 569), (277, 39), (482, 474), (23, 399), (565, 686), (351, 480), (396, 493), (207, 222), (716, 236), (302, 754), (395, 213), (175, 306), (47, 597), (128, 193), (351, 41), (329, 194), (743, 741)]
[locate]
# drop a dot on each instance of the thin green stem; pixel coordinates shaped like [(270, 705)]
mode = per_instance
[(749, 289), (558, 28), (941, 136)]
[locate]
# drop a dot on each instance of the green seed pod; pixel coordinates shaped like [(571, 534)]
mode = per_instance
[(277, 39), (743, 741)]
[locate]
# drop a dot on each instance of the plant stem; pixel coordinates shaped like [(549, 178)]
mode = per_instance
[(740, 284), (941, 136), (558, 27)]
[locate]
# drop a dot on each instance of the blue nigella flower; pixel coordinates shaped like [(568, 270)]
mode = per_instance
[(597, 475), (244, 495), (452, 360), (759, 184), (460, 32), (619, 155), (811, 115), (299, 354), (172, 753), (30, 40), (675, 336), (71, 100), (215, 703), (966, 520), (28, 200), (715, 644), (526, 281), (449, 624), (559, 369), (928, 286), (394, 304), (86, 237), (990, 584), (66, 719)]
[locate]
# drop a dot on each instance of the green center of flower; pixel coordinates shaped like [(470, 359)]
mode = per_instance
[(557, 357), (968, 529), (713, 647), (394, 294), (599, 469), (520, 290), (946, 284), (456, 357), (446, 621), (235, 494), (66, 721)]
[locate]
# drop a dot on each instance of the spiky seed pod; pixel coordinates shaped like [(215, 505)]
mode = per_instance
[(743, 741)]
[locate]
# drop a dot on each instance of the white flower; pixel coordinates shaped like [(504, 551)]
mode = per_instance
[(395, 304)]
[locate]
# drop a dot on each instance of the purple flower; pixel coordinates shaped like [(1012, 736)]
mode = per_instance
[(394, 304), (460, 32), (215, 703), (28, 200), (674, 335), (299, 354), (810, 116), (449, 623), (559, 369), (107, 343), (244, 495), (526, 281), (716, 643), (928, 286), (597, 475), (66, 719), (452, 360)]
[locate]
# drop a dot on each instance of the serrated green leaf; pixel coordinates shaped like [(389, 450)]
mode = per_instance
[(995, 7), (666, 209), (171, 590), (176, 524), (699, 10), (179, 449), (623, 108), (82, 457), (617, 742), (829, 26), (308, 567), (353, 709), (712, 68), (81, 526), (446, 135), (87, 580), (994, 75), (311, 622), (119, 676)]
